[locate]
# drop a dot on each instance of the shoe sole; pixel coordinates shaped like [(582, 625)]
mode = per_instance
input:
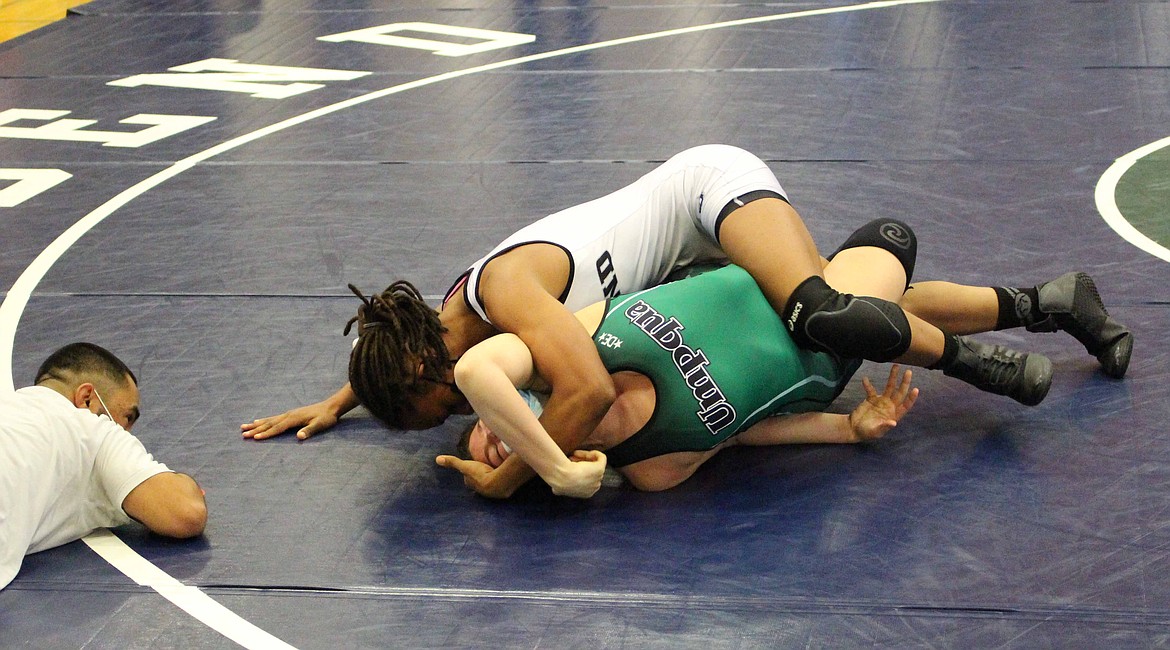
[(1037, 380), (1115, 358)]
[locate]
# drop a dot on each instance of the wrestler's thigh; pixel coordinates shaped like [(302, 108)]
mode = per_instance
[(867, 271), (768, 239)]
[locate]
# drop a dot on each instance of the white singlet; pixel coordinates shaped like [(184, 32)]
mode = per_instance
[(635, 237)]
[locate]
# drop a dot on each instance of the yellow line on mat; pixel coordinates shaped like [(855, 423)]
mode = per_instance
[(22, 16)]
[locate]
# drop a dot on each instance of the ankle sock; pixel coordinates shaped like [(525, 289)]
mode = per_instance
[(950, 351), (1017, 307)]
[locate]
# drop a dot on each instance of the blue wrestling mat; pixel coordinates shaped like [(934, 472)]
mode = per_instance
[(241, 162)]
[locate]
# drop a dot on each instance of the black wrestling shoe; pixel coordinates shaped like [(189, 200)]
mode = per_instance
[(1071, 303), (1023, 377)]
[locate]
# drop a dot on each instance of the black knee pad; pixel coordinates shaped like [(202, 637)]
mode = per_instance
[(888, 234), (823, 319)]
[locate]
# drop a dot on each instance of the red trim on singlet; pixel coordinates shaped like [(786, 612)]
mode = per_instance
[(461, 282), (457, 286)]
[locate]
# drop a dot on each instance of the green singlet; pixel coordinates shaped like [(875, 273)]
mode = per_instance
[(720, 360)]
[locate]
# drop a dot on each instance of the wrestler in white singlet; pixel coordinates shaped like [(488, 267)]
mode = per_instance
[(635, 237)]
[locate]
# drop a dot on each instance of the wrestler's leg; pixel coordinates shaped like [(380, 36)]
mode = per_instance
[(822, 317), (1070, 303), (882, 272), (870, 271), (867, 271), (769, 239), (956, 308)]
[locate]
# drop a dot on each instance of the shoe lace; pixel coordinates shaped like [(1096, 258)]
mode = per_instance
[(1002, 366)]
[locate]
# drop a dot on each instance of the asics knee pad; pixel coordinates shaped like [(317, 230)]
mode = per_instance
[(823, 319), (890, 235)]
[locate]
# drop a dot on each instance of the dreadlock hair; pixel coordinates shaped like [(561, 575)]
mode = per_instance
[(85, 360), (397, 331)]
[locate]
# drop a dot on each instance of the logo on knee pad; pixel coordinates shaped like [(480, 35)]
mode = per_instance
[(794, 316), (896, 235)]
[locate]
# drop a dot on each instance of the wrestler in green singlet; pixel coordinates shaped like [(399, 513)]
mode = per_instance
[(720, 360)]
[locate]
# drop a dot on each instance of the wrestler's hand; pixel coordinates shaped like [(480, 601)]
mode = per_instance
[(311, 419), (880, 412), (581, 478), (476, 475)]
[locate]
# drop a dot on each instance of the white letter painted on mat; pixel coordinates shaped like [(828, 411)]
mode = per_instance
[(489, 40), (229, 75), (29, 183), (163, 126)]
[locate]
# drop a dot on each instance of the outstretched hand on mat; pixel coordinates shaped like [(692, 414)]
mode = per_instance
[(880, 412), (311, 419)]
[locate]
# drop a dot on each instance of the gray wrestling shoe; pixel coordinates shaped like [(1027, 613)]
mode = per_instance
[(1023, 377), (1071, 303)]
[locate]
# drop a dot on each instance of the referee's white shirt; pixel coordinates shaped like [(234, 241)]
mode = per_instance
[(64, 472)]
